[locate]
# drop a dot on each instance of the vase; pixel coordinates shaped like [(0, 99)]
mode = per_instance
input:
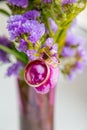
[(36, 110)]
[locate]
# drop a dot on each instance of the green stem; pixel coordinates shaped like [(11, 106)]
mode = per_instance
[(15, 53), (4, 12)]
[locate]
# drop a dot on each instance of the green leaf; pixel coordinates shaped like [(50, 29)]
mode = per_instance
[(4, 12), (19, 55)]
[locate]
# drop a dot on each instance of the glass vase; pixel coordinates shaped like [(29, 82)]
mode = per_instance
[(36, 110)]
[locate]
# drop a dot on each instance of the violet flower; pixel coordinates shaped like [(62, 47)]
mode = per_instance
[(72, 74), (53, 25), (68, 1), (20, 3), (31, 54), (82, 54), (73, 40), (80, 63), (18, 25), (79, 66), (67, 52), (15, 68), (49, 42), (22, 45), (32, 14), (53, 48), (47, 1), (4, 57)]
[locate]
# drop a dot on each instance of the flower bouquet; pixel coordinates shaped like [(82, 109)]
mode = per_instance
[(42, 40)]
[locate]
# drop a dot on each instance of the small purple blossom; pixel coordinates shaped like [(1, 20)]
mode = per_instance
[(68, 1), (82, 54), (14, 69), (47, 1), (80, 61), (72, 74), (23, 45), (67, 52), (18, 25), (54, 48), (53, 25), (31, 54), (4, 41), (49, 42), (79, 66), (4, 57), (37, 30), (73, 40), (32, 14), (20, 3), (14, 26)]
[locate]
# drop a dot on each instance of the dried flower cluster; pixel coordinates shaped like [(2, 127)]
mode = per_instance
[(41, 33)]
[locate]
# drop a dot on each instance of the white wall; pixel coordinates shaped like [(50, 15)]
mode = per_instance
[(9, 116), (71, 98)]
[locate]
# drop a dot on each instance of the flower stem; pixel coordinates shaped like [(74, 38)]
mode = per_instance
[(15, 53), (4, 12)]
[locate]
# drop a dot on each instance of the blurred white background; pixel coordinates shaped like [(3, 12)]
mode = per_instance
[(71, 97)]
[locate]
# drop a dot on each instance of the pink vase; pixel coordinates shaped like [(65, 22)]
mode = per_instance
[(36, 110)]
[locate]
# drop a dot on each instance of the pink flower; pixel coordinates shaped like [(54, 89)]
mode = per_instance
[(41, 75)]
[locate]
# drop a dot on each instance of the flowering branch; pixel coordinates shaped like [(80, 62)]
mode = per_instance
[(41, 33)]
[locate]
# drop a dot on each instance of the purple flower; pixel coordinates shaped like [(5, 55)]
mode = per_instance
[(32, 14), (80, 62), (15, 26), (67, 52), (68, 1), (73, 40), (4, 41), (37, 30), (79, 66), (15, 68), (22, 45), (20, 3), (31, 54), (18, 25), (53, 25), (4, 57), (54, 48), (82, 54), (47, 1), (78, 54), (49, 42), (72, 74)]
